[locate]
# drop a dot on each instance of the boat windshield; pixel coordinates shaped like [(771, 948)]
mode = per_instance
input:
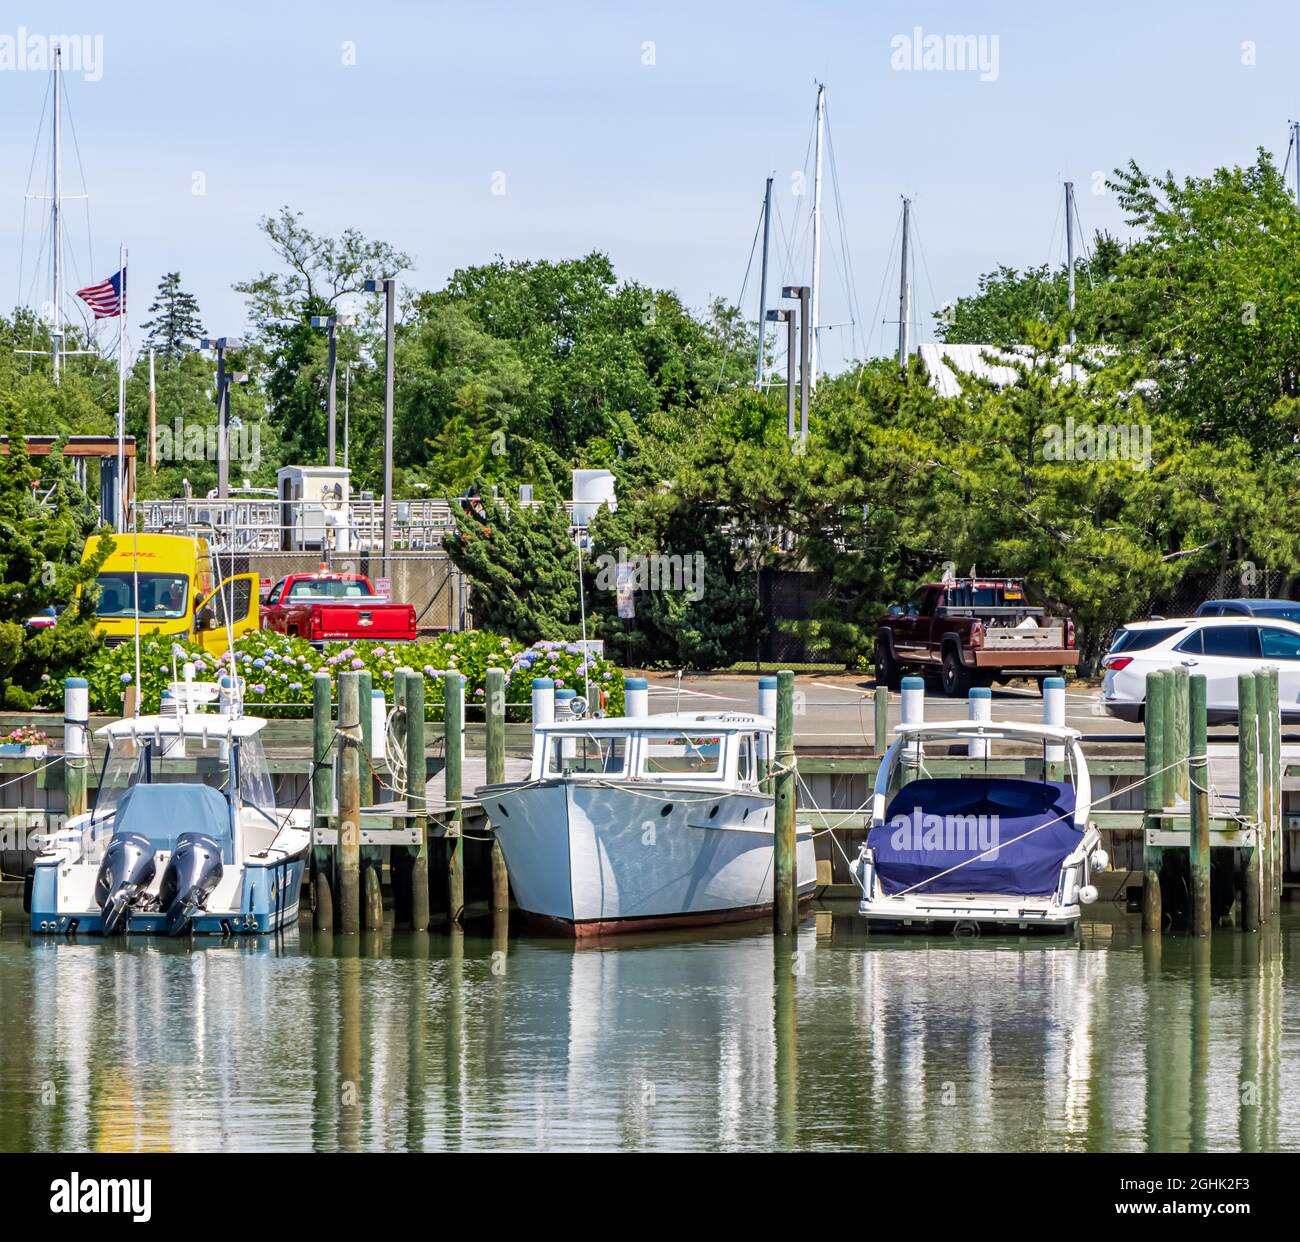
[(605, 753), (131, 762), (682, 754)]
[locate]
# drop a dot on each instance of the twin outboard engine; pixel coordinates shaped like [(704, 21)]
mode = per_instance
[(192, 873), (125, 873)]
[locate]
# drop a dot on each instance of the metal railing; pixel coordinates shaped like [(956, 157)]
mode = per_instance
[(244, 524)]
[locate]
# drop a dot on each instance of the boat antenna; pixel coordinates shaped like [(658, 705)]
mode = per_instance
[(135, 574)]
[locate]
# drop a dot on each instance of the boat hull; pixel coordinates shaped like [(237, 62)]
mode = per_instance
[(597, 858), (254, 900)]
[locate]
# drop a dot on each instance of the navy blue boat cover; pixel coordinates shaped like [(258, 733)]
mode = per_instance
[(932, 825)]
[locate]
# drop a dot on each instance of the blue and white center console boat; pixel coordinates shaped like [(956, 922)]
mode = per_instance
[(184, 837), (965, 852)]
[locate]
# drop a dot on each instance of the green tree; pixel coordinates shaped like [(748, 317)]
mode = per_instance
[(523, 565), (316, 272), (44, 523), (176, 322)]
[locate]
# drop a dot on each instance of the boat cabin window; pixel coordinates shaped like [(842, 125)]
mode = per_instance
[(745, 759), (681, 754), (587, 752)]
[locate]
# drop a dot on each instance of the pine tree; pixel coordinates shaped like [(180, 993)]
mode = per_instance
[(523, 566), (176, 322), (41, 567)]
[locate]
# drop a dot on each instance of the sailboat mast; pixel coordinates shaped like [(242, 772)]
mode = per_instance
[(905, 288), (762, 287), (816, 290), (1069, 259), (1295, 155), (56, 222)]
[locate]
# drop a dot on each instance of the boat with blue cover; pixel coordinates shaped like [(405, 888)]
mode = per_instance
[(184, 837), (983, 849)]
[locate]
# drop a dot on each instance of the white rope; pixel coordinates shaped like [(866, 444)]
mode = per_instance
[(23, 776)]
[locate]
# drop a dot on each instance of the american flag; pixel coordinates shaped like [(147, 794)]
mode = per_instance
[(108, 298)]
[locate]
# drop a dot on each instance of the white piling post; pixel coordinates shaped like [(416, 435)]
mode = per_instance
[(76, 743), (1054, 714), (543, 712), (979, 706), (564, 711), (913, 709), (766, 708), (379, 722), (636, 696)]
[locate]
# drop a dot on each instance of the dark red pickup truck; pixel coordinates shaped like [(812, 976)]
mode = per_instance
[(323, 607), (974, 632)]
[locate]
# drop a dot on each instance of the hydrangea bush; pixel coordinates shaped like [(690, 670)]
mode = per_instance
[(277, 670)]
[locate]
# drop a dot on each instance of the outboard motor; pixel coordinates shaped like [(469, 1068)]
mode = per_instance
[(192, 873), (127, 869)]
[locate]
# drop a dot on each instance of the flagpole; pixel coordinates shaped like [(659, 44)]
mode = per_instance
[(121, 399)]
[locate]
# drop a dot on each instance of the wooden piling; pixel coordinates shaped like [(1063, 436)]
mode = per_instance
[(1265, 719), (1168, 687), (1182, 733), (496, 774), (1278, 836), (400, 858), (784, 865), (349, 817), (372, 859), (1153, 797), (881, 723), (1248, 804), (1199, 797), (322, 799), (416, 774), (454, 723)]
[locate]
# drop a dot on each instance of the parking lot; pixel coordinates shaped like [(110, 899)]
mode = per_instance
[(837, 710)]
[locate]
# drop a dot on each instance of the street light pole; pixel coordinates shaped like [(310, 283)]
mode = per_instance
[(221, 344), (331, 323), (788, 318), (388, 287)]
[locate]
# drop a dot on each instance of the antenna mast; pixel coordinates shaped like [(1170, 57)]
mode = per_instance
[(904, 289), (56, 224), (816, 282), (762, 287), (1069, 259)]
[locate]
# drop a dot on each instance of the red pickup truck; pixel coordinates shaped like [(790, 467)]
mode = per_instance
[(974, 632), (323, 607)]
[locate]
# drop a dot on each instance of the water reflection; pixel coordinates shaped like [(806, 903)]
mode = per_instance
[(735, 1040)]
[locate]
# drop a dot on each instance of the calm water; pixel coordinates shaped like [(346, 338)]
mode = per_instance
[(725, 1041)]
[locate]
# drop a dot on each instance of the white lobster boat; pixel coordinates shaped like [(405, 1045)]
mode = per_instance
[(184, 837), (981, 850), (634, 823)]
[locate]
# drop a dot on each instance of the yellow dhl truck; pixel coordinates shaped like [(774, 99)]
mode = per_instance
[(177, 597)]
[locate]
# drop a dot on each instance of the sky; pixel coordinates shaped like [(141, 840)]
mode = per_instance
[(459, 132)]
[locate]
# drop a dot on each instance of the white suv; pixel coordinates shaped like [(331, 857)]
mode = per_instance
[(1221, 648)]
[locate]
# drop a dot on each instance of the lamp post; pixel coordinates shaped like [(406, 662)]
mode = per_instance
[(388, 287), (331, 323), (802, 292), (788, 318), (221, 344)]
